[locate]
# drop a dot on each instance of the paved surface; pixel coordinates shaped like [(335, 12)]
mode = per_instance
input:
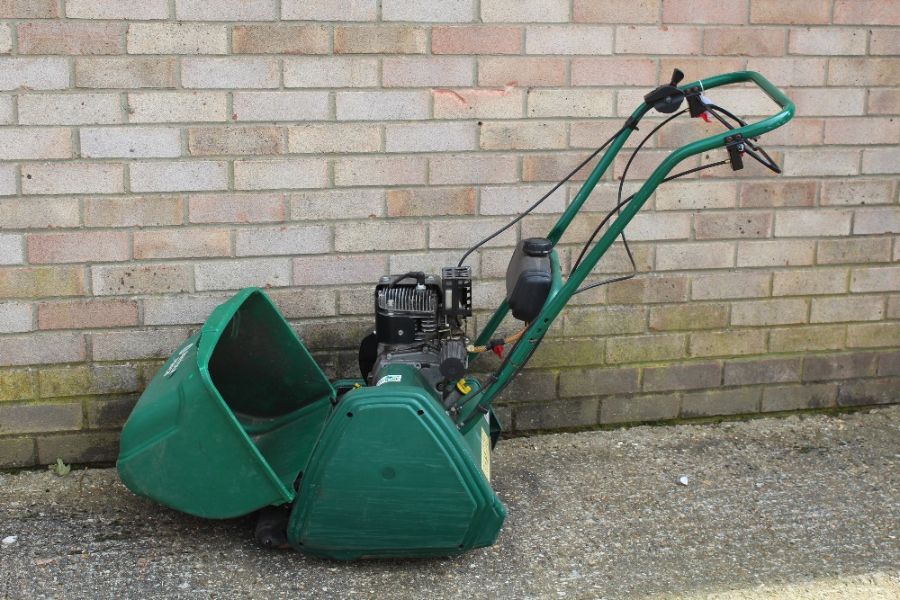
[(803, 507)]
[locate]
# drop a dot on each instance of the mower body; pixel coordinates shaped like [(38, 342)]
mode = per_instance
[(241, 418), (397, 462)]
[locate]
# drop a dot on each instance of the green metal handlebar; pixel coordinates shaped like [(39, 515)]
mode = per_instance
[(523, 349)]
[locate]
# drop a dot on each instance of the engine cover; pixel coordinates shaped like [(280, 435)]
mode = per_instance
[(392, 476)]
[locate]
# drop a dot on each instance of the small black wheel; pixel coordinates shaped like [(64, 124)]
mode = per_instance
[(271, 528)]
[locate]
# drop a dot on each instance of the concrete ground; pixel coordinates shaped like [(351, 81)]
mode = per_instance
[(802, 507)]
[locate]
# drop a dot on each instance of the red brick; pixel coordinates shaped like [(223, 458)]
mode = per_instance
[(884, 102), (464, 169), (747, 372), (799, 132), (747, 41), (136, 344), (649, 290), (380, 171), (126, 72), (427, 71), (885, 41), (181, 243), (67, 37), (519, 135), (91, 314), (321, 205), (39, 213), (427, 202), (516, 11), (867, 12), (91, 246), (790, 72), (682, 377), (133, 211), (551, 167), (829, 101), (735, 401), (379, 39), (476, 40), (866, 130), (521, 71), (29, 9), (848, 251), (133, 10), (44, 417), (427, 12), (281, 39), (864, 71), (568, 39), (828, 41), (732, 225), (695, 12), (343, 270), (616, 11), (791, 12), (237, 208), (623, 71), (658, 40), (866, 191), (323, 10), (215, 141), (41, 282), (109, 280), (41, 348)]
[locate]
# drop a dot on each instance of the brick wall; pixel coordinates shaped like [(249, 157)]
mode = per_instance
[(159, 154)]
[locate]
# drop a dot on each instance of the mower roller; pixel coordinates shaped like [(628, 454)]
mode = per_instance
[(396, 463)]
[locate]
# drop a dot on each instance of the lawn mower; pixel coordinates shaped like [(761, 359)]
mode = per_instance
[(241, 419)]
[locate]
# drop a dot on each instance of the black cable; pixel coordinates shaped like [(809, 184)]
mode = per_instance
[(620, 205), (493, 378), (615, 210), (619, 195), (631, 158), (727, 113), (419, 276), (609, 215), (528, 210)]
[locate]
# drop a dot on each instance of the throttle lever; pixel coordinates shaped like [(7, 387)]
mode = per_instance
[(667, 98)]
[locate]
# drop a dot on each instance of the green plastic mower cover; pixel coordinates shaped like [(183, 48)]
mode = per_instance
[(229, 422), (392, 476), (241, 416)]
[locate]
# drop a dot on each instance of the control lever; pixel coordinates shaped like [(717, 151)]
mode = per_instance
[(667, 98)]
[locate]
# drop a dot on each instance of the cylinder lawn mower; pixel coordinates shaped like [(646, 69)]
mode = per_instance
[(396, 463)]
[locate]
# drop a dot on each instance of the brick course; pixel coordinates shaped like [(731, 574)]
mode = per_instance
[(157, 155)]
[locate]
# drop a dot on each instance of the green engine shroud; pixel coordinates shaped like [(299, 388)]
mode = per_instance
[(392, 476)]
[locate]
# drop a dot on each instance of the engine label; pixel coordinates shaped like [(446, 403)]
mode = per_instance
[(389, 379), (486, 454)]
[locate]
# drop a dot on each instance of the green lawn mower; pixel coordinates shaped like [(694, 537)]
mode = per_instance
[(396, 463)]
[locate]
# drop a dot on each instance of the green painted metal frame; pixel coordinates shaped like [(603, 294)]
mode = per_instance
[(563, 291)]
